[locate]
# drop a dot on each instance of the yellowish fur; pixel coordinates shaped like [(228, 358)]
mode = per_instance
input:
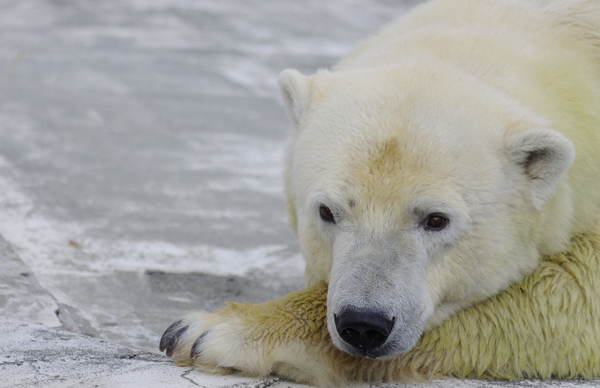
[(503, 301), (546, 326), (548, 75)]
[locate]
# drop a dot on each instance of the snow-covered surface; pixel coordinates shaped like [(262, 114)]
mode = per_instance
[(141, 148)]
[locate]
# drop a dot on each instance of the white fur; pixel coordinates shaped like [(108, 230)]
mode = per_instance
[(486, 112), (295, 91), (476, 115)]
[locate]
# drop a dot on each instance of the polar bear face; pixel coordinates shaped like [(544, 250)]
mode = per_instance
[(416, 191)]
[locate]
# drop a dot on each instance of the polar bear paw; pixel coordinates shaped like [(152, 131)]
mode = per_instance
[(287, 336), (215, 343)]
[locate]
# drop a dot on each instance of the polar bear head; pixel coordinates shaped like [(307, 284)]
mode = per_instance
[(416, 191)]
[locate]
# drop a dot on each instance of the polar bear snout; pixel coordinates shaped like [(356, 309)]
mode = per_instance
[(364, 330)]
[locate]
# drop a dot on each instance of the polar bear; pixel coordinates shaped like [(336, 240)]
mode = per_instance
[(429, 171)]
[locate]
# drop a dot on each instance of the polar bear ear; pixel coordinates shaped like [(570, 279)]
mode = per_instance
[(295, 90), (545, 156)]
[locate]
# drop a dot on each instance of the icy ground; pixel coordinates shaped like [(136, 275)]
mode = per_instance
[(141, 145)]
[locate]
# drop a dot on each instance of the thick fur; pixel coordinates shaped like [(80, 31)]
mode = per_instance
[(485, 113), (546, 326)]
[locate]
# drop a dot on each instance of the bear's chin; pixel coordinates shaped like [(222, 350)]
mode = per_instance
[(392, 348)]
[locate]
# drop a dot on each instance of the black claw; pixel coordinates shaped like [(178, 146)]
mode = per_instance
[(171, 336), (166, 337), (196, 348), (173, 343)]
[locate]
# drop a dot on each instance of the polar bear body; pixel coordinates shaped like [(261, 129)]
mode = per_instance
[(434, 177), (484, 115)]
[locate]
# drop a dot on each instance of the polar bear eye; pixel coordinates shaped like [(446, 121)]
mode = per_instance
[(435, 222), (326, 214)]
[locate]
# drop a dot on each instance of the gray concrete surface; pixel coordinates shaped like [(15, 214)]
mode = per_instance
[(141, 145)]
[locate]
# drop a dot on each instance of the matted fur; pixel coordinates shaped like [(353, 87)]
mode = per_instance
[(546, 326)]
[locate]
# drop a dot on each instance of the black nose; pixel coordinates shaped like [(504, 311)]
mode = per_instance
[(364, 330)]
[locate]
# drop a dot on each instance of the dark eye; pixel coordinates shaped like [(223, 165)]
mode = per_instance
[(326, 214), (435, 222)]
